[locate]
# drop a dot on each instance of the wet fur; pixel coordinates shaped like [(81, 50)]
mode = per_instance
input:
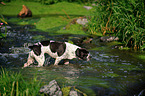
[(58, 50)]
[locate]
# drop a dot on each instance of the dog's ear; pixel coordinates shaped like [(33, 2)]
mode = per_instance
[(36, 49), (82, 53), (77, 52)]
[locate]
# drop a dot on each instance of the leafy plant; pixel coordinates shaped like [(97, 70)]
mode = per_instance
[(3, 23), (124, 19), (66, 90)]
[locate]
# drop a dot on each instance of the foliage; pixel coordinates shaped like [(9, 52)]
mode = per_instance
[(2, 22), (123, 18), (13, 84), (66, 90)]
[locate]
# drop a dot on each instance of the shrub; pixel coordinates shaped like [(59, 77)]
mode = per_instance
[(123, 18)]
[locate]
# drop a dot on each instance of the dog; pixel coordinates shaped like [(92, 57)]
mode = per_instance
[(57, 50)]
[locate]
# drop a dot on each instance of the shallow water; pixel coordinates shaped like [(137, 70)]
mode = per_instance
[(109, 72)]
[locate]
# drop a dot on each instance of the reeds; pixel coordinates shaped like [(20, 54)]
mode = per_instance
[(13, 84), (123, 18)]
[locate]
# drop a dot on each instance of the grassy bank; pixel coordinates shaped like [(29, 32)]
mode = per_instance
[(119, 18), (14, 84), (124, 19), (49, 18)]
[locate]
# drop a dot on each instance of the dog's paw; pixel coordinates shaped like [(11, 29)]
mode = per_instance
[(66, 63), (39, 66), (25, 65)]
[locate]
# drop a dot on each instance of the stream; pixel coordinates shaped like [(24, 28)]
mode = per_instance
[(110, 72)]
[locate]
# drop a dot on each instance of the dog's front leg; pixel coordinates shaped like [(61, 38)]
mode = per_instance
[(57, 60), (29, 61), (40, 59), (66, 62)]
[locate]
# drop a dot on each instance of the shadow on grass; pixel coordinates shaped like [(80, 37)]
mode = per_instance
[(48, 15)]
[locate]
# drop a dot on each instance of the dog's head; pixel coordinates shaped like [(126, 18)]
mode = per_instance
[(83, 54)]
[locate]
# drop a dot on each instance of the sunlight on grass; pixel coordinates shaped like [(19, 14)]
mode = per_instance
[(48, 18)]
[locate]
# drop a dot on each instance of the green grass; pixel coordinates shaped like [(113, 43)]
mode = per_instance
[(14, 84), (14, 7), (66, 90), (73, 29), (124, 19), (47, 18)]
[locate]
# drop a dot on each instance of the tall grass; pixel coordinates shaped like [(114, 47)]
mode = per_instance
[(13, 84), (123, 18)]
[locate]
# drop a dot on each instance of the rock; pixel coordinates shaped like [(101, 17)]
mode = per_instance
[(87, 41), (109, 38), (93, 4), (5, 27), (82, 21), (88, 7), (25, 12), (52, 89), (14, 55), (26, 45), (73, 93), (19, 50)]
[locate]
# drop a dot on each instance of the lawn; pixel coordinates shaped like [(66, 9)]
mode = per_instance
[(48, 18)]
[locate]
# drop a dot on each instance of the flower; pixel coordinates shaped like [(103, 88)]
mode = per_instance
[(1, 24)]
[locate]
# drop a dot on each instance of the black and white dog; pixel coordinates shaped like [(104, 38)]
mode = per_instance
[(58, 50)]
